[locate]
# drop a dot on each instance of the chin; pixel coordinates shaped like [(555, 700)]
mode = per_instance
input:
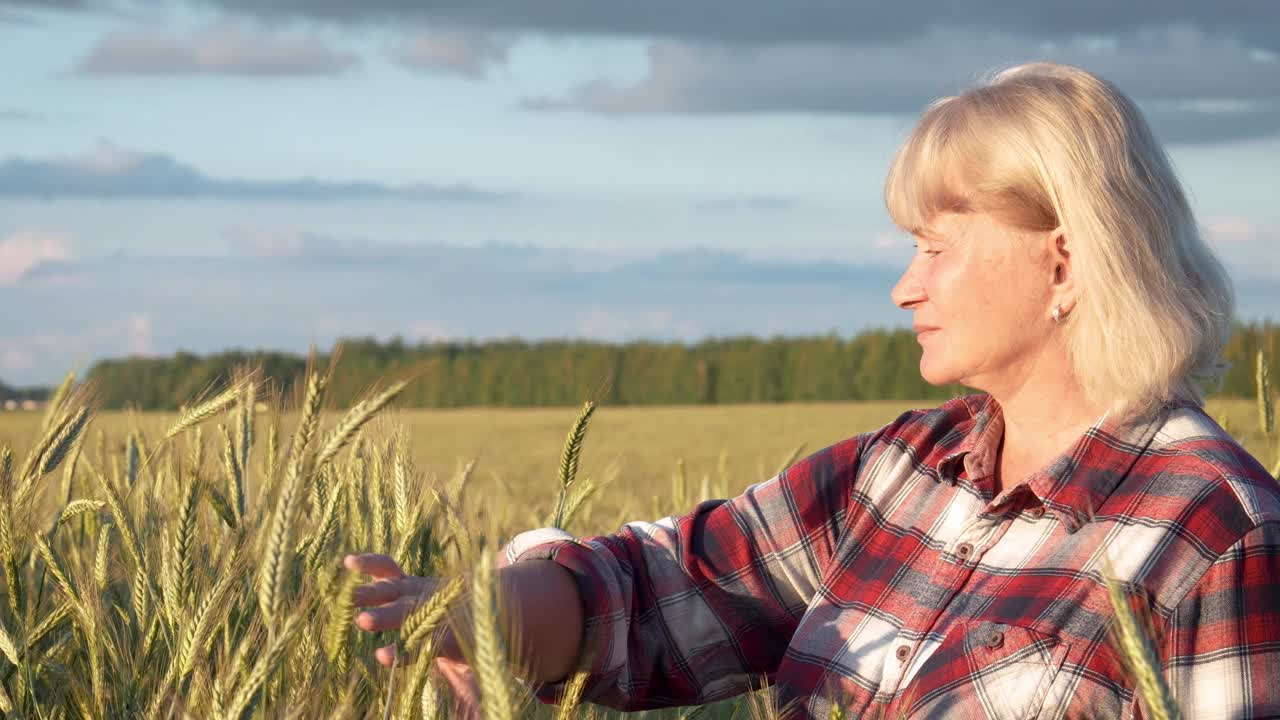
[(935, 375)]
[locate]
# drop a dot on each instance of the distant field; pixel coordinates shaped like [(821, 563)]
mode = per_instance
[(518, 450)]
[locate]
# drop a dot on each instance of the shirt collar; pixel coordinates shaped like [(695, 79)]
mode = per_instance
[(1075, 483)]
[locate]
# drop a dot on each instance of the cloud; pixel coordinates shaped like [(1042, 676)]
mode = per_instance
[(468, 53), (1198, 87), (427, 331), (25, 249), (17, 115), (747, 202), (809, 21), (21, 12), (1231, 230), (15, 359), (158, 305), (139, 335), (220, 49), (110, 171)]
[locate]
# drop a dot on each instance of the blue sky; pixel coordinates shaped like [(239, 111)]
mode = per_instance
[(212, 174)]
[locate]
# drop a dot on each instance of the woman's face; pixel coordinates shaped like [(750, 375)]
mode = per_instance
[(980, 292)]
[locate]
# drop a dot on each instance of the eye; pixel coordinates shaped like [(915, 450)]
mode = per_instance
[(926, 252)]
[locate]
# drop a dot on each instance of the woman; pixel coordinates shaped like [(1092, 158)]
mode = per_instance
[(950, 563)]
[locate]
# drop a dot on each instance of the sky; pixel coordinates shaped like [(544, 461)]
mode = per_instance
[(215, 174)]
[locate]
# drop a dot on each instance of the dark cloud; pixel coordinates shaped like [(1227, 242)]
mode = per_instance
[(1203, 88), (221, 49), (45, 4), (111, 172), (812, 21), (834, 56)]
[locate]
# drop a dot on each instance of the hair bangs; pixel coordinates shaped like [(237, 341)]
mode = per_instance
[(932, 171)]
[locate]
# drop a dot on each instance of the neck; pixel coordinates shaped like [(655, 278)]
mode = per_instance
[(1043, 416)]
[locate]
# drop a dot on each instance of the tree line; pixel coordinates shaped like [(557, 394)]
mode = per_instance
[(874, 365)]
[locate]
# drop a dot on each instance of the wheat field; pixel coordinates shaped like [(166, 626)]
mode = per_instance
[(189, 564)]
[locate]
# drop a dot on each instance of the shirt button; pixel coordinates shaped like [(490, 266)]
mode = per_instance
[(903, 652), (995, 639), (964, 551)]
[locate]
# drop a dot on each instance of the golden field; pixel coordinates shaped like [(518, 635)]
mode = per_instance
[(188, 565)]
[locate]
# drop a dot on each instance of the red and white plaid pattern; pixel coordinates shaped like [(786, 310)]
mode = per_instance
[(882, 574)]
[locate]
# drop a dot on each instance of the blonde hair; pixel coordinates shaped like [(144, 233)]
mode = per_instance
[(1042, 146)]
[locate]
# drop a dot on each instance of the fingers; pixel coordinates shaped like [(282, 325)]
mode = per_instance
[(373, 564), (387, 617), (385, 591), (385, 655), (462, 681)]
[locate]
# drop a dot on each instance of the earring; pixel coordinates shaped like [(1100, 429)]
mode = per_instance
[(1057, 314)]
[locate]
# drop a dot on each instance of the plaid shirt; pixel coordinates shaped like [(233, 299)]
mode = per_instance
[(882, 574)]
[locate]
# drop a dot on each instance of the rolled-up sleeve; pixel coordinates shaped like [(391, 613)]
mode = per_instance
[(1222, 651), (699, 607)]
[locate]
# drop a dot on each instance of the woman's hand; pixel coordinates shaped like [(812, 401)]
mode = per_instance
[(390, 598)]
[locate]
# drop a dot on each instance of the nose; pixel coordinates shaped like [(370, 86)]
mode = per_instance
[(908, 292)]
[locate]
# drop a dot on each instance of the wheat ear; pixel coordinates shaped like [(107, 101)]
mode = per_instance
[(1139, 655), (424, 620), (572, 696), (55, 401), (271, 577), (1266, 411), (341, 614), (192, 416), (496, 697), (355, 419), (267, 662), (569, 459)]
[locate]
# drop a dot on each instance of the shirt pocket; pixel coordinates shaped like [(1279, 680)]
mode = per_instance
[(986, 670)]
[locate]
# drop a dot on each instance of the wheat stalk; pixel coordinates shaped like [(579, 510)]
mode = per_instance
[(194, 415), (54, 404), (49, 450), (1266, 411), (245, 424), (181, 559), (355, 419), (235, 474), (101, 557), (572, 696), (342, 611), (75, 509), (199, 631), (266, 664), (496, 698), (569, 459), (1138, 654), (425, 618), (400, 490), (8, 646), (271, 577)]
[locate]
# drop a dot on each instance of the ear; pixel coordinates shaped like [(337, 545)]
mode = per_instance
[(1062, 272)]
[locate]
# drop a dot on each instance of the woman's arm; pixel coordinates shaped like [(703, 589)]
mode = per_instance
[(1222, 646), (699, 607), (544, 619)]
